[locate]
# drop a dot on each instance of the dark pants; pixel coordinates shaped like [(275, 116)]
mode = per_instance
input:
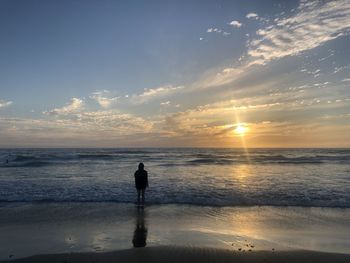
[(141, 195)]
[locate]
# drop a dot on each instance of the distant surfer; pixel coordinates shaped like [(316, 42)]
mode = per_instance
[(141, 182)]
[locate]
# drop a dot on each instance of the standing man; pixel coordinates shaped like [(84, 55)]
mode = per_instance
[(141, 182)]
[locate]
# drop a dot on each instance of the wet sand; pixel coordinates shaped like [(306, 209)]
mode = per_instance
[(186, 254), (74, 232)]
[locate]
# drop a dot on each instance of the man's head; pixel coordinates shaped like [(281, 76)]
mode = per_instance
[(141, 166)]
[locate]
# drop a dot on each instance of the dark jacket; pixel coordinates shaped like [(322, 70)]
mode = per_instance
[(141, 179)]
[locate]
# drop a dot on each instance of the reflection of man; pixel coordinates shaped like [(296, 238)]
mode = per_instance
[(140, 233)]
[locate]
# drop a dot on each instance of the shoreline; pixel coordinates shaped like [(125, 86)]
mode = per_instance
[(187, 254), (5, 203)]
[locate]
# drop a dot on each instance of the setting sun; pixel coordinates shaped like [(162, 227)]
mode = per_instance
[(241, 129)]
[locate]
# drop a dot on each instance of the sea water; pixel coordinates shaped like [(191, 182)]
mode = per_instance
[(194, 176)]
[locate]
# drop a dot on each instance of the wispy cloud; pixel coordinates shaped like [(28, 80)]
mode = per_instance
[(217, 79), (74, 106), (311, 25), (315, 23), (210, 30), (89, 128), (264, 115), (114, 120), (4, 103), (160, 90), (235, 23), (154, 93), (217, 30), (165, 103), (252, 16), (103, 98)]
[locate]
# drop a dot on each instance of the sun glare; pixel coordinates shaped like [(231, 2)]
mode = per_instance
[(240, 129)]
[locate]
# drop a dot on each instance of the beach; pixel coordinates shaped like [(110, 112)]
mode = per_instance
[(106, 231), (205, 205), (185, 254)]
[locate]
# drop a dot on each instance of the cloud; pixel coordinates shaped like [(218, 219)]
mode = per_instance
[(252, 16), (165, 103), (275, 114), (160, 90), (311, 25), (154, 93), (102, 98), (123, 123), (93, 128), (315, 23), (211, 30), (235, 23), (217, 30), (74, 106), (217, 79), (208, 123), (4, 104)]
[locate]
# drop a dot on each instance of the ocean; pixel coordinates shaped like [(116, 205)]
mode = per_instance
[(190, 176)]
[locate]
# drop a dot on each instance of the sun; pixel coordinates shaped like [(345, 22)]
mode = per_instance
[(240, 129)]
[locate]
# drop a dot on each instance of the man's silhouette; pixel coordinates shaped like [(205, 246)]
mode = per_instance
[(141, 182)]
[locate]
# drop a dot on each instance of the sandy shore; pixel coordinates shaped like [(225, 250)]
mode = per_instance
[(187, 254), (109, 231)]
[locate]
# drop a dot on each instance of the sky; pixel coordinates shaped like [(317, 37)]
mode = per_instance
[(174, 73)]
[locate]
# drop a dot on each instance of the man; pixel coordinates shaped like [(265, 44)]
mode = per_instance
[(141, 182)]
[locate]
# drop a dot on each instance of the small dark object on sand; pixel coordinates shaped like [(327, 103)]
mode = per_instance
[(239, 249), (249, 250), (273, 249)]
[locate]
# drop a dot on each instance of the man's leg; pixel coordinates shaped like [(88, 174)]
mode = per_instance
[(143, 195), (138, 196)]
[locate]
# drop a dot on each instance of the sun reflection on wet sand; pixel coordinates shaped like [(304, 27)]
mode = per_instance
[(245, 228)]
